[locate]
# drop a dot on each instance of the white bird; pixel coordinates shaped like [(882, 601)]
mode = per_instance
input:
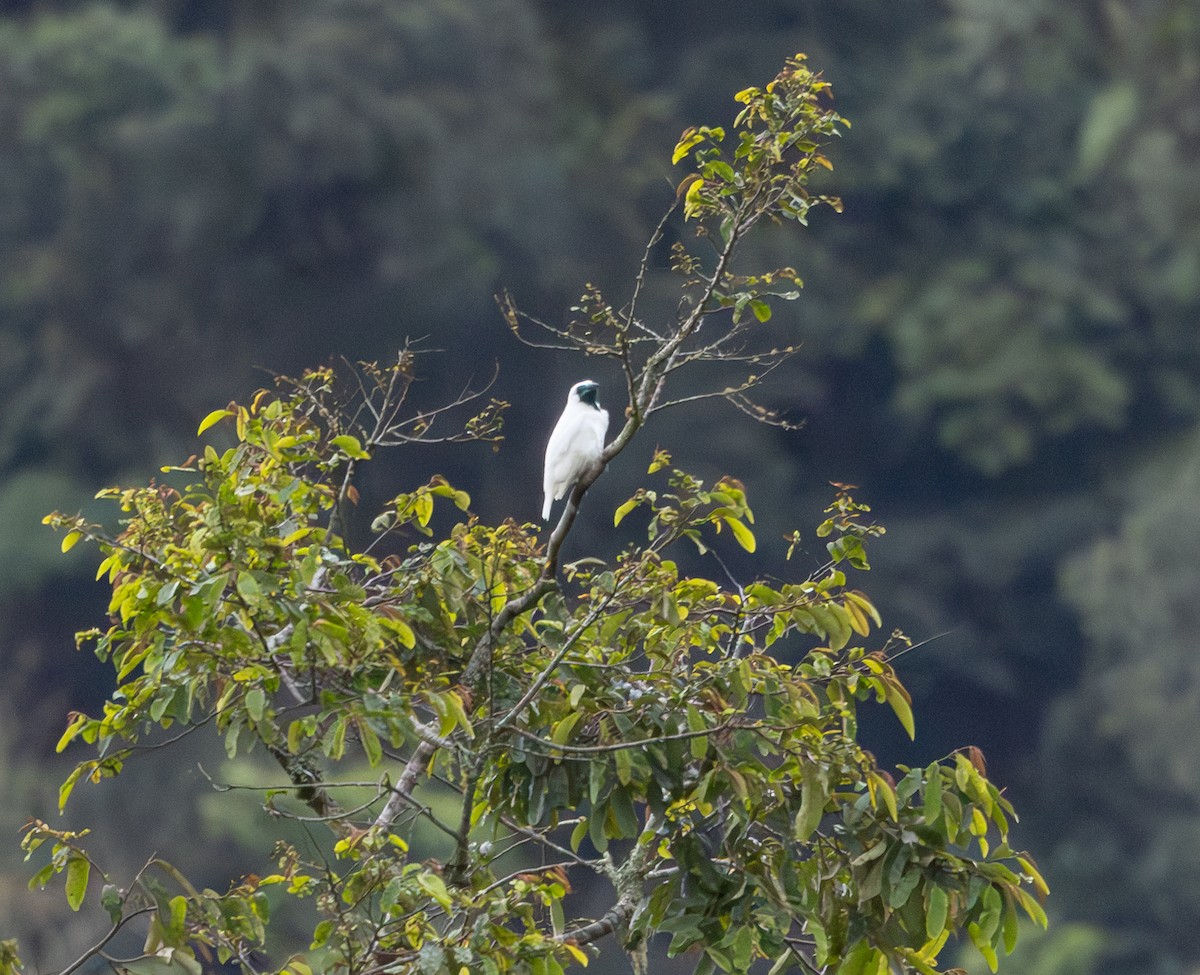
[(576, 443)]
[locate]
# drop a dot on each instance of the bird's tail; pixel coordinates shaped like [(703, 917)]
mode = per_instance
[(546, 507)]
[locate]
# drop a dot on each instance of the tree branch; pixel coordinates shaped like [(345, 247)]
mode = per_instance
[(403, 789)]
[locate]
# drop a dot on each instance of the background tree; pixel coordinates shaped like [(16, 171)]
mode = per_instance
[(692, 742), (998, 336)]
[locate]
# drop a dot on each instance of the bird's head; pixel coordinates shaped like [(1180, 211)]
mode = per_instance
[(585, 392)]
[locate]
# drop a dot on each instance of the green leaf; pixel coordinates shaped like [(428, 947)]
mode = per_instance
[(623, 814), (762, 311), (171, 961), (111, 901), (561, 733), (372, 746), (932, 810), (78, 871), (1010, 926), (335, 738), (248, 588), (812, 803), (70, 539), (720, 169), (256, 701), (859, 961), (42, 877), (984, 946), (935, 916), (578, 833), (350, 446), (624, 765), (902, 889), (697, 725)]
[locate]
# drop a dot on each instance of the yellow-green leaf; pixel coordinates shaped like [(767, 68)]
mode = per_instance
[(880, 789), (1038, 880), (578, 833), (404, 633), (985, 948), (454, 706), (562, 731), (812, 803), (689, 139), (350, 446), (1032, 907), (744, 535), (68, 786), (78, 870), (865, 605), (622, 511), (697, 725), (70, 539), (73, 729), (435, 887), (295, 536), (897, 697), (935, 916), (212, 418)]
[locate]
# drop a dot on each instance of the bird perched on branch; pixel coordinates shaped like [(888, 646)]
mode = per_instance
[(576, 443)]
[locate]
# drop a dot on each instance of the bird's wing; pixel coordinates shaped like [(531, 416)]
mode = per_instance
[(560, 459), (558, 453), (575, 445), (601, 422)]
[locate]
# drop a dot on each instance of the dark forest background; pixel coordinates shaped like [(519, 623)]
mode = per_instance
[(999, 347)]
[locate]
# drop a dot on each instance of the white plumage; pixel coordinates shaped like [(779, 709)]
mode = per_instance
[(576, 443)]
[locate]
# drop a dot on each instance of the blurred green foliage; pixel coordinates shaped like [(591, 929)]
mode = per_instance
[(999, 334)]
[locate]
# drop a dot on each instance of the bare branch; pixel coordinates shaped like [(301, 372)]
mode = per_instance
[(403, 789)]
